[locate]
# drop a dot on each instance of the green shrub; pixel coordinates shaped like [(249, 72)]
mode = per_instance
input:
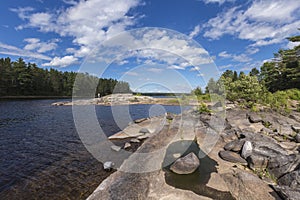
[(293, 94), (298, 107), (202, 108)]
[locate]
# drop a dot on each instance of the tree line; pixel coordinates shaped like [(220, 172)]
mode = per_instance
[(277, 81), (18, 78)]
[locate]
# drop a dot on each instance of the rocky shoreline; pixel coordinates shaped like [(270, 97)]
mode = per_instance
[(255, 157)]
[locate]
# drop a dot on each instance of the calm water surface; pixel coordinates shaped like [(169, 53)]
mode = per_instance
[(41, 155)]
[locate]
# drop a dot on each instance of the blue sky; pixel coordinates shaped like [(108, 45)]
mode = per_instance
[(237, 34)]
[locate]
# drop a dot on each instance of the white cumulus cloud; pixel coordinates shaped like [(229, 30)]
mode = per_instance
[(87, 22), (61, 61)]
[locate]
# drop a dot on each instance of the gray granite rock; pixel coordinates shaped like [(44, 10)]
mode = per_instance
[(256, 161), (291, 179), (247, 149), (297, 138), (235, 145), (283, 164), (185, 165), (244, 185), (254, 118), (287, 193), (232, 157)]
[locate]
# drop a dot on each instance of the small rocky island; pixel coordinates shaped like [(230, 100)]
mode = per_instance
[(256, 156), (124, 99)]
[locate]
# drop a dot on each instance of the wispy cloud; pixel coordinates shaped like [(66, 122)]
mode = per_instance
[(195, 32), (234, 57), (131, 73), (155, 70), (263, 22), (15, 51), (217, 1)]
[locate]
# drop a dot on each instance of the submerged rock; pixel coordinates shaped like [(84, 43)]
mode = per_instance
[(108, 166), (232, 157), (185, 165), (115, 148)]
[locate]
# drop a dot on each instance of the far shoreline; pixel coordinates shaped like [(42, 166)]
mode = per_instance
[(34, 97)]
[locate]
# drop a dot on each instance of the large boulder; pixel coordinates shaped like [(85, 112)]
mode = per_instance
[(232, 157), (185, 165), (247, 149)]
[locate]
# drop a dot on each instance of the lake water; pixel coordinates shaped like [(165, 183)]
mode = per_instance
[(41, 155)]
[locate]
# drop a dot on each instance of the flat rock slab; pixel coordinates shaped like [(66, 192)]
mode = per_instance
[(244, 185), (217, 182), (232, 157), (296, 128)]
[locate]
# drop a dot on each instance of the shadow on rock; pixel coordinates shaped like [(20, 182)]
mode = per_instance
[(196, 181)]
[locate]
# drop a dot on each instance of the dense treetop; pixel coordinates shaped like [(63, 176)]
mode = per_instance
[(18, 78)]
